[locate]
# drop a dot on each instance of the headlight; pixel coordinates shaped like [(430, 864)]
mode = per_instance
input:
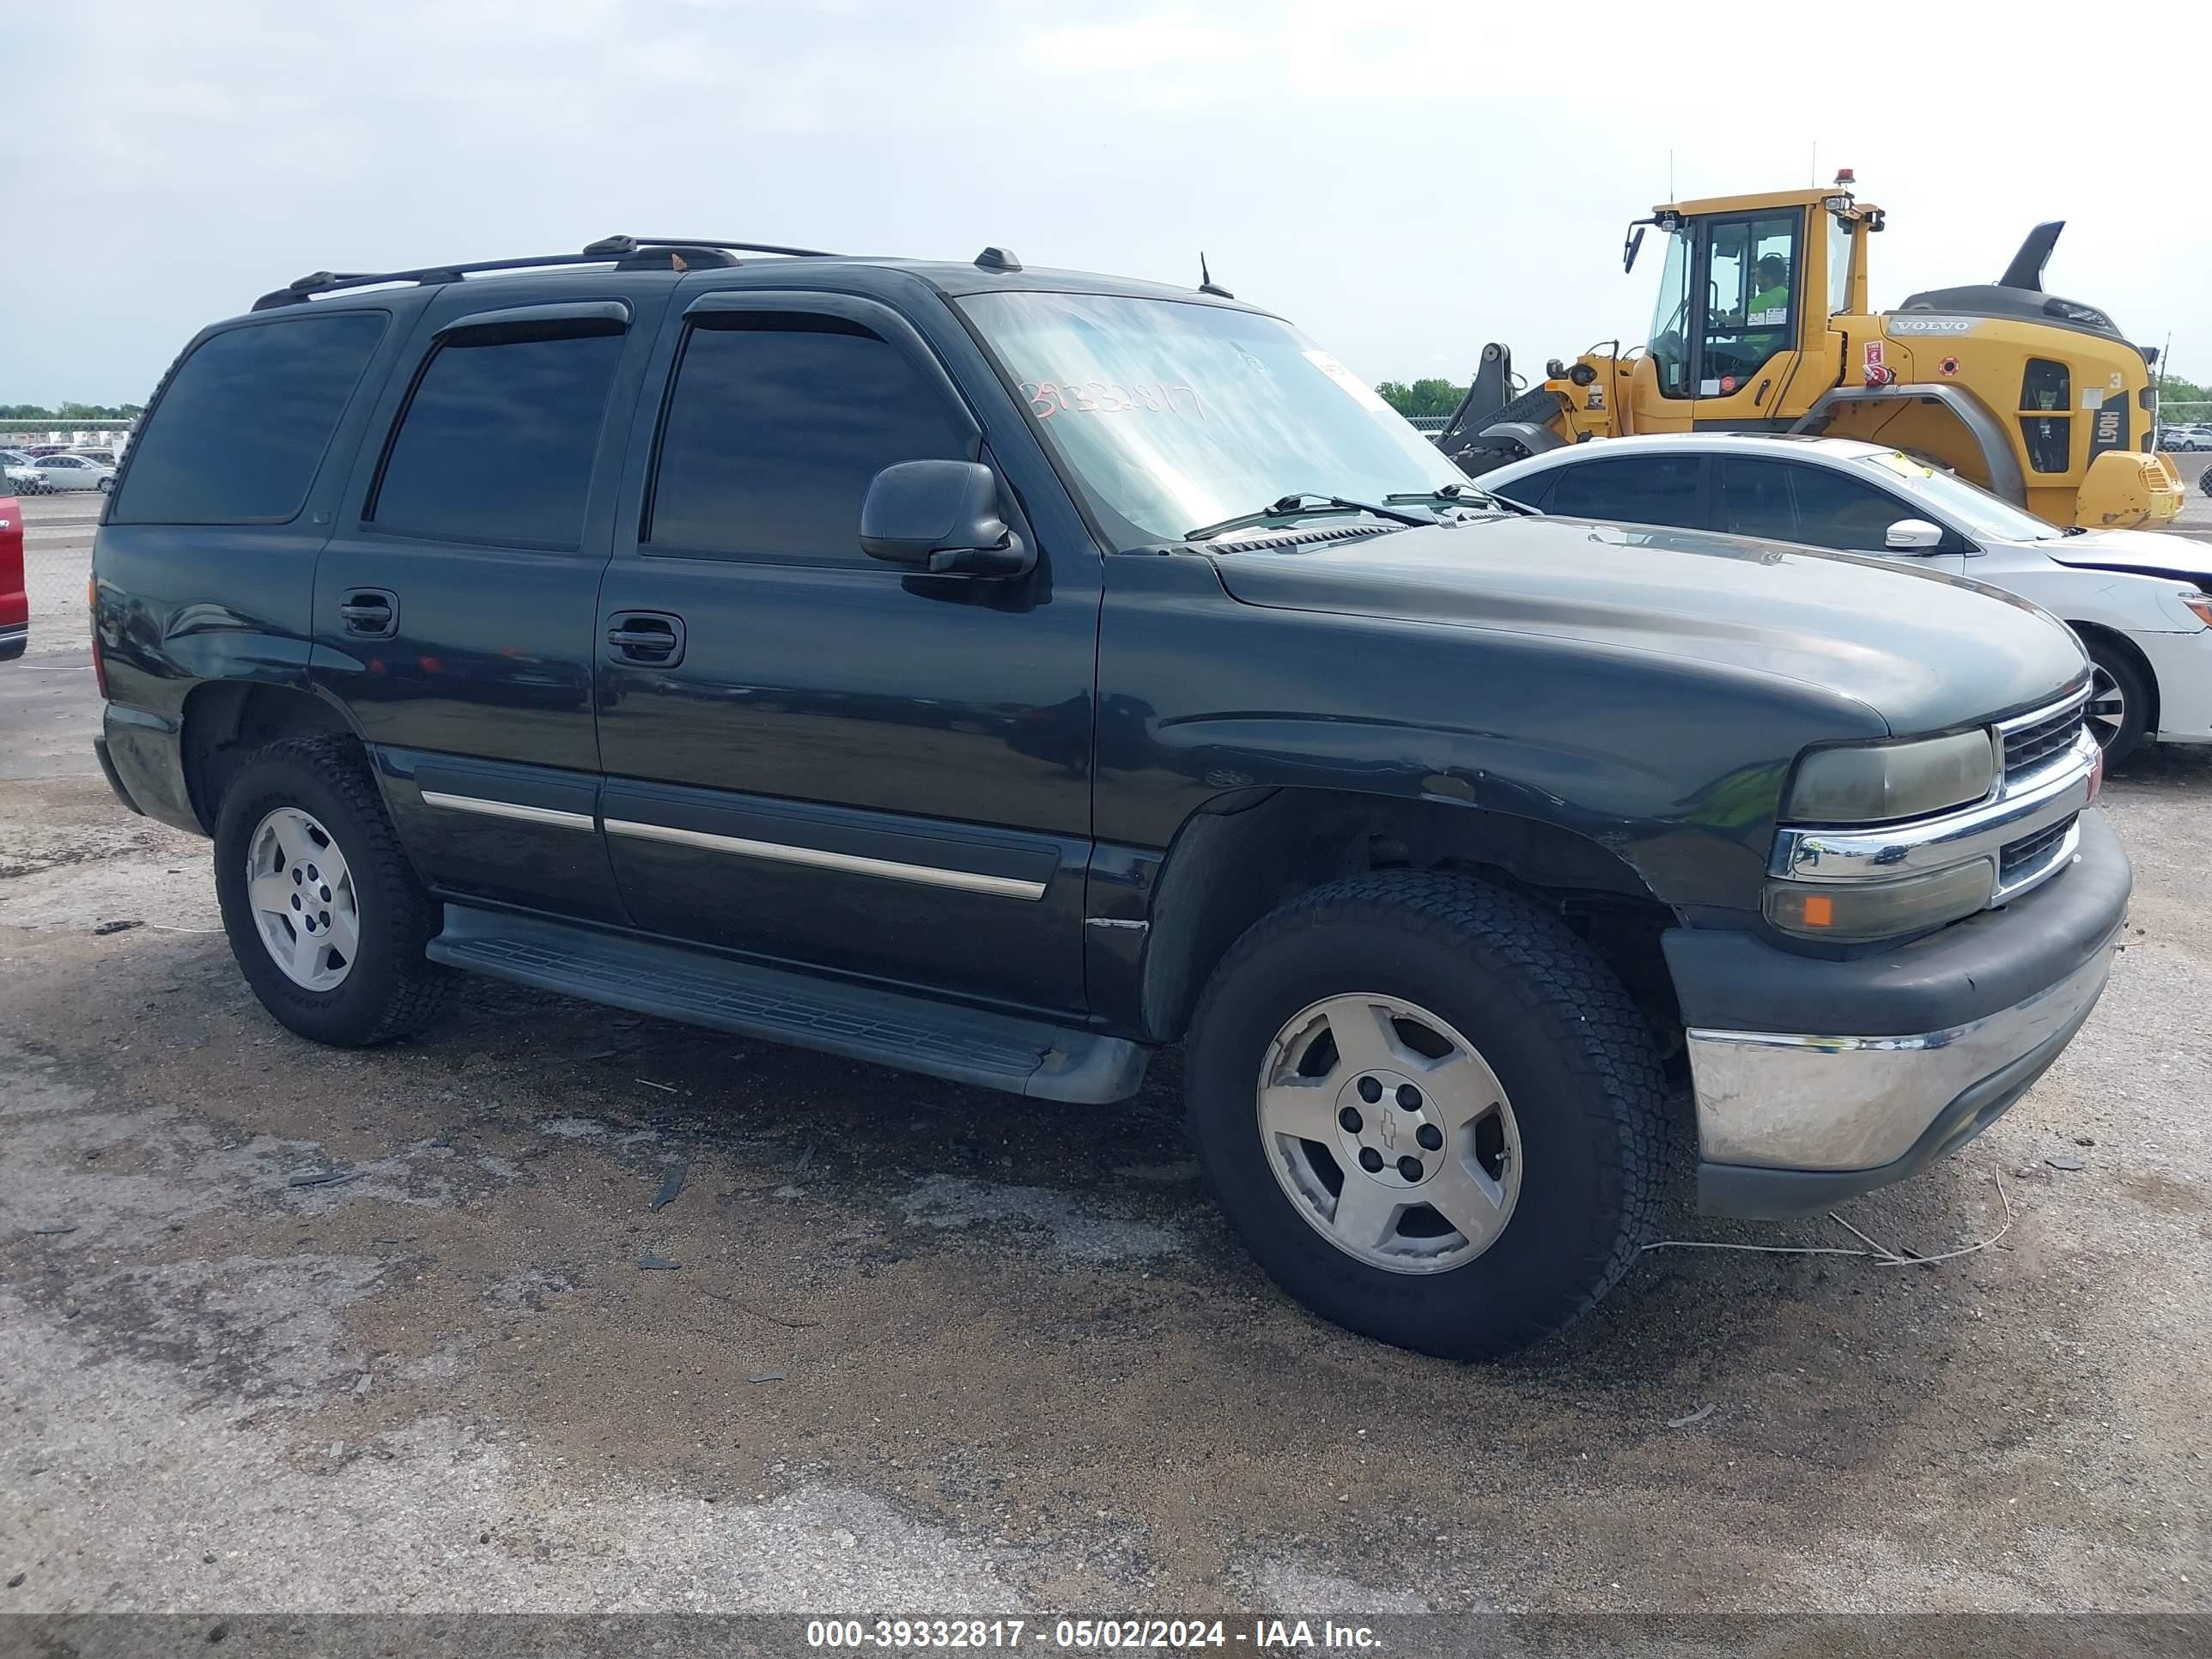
[(1879, 783), (1850, 912)]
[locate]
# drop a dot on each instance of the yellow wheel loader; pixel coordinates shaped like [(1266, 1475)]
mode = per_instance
[(1762, 325)]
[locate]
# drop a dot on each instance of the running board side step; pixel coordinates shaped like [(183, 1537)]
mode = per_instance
[(966, 1045)]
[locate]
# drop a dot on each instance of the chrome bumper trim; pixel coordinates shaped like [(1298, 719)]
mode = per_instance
[(1778, 1101)]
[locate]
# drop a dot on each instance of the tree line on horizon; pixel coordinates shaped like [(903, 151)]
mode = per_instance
[(71, 412)]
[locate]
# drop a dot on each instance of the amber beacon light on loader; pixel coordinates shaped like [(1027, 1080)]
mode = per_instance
[(1762, 325)]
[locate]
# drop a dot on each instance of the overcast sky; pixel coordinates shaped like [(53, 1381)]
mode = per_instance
[(1405, 178)]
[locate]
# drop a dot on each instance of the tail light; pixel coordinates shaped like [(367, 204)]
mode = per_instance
[(92, 609)]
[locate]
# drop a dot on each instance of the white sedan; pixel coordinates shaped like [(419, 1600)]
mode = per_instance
[(56, 472), (2137, 599)]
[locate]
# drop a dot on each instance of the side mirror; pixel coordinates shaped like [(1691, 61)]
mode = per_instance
[(943, 516), (1630, 248), (1913, 536)]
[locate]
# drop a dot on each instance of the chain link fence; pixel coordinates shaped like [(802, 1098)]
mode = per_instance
[(57, 566), (2170, 414), (57, 528)]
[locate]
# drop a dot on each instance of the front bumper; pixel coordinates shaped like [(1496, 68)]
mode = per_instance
[(2181, 672), (1837, 1076)]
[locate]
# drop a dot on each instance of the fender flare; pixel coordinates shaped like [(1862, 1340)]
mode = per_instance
[(1227, 864), (1982, 424)]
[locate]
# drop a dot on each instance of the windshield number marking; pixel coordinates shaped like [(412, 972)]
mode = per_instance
[(1051, 397)]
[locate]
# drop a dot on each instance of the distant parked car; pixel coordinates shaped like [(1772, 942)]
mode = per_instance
[(19, 474), (99, 457), (2185, 438), (60, 472), (15, 601), (2138, 599)]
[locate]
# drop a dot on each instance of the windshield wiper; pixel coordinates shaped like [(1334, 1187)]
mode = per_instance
[(1453, 495), (1295, 505)]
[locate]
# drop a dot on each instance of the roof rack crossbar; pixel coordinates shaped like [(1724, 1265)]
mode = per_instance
[(734, 247), (302, 288)]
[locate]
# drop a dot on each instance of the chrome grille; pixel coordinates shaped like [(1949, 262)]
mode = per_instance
[(2027, 856), (2033, 738)]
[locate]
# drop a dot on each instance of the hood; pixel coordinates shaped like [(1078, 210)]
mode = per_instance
[(2138, 552), (1925, 651)]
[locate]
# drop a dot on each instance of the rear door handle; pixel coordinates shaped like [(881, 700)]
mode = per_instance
[(370, 613), (653, 638)]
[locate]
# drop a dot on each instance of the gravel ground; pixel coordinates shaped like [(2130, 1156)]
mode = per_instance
[(899, 1345)]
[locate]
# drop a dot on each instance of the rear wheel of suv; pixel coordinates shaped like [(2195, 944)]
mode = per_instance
[(325, 913), (1430, 1110)]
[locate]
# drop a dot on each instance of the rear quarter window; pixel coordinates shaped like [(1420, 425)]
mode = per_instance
[(239, 432)]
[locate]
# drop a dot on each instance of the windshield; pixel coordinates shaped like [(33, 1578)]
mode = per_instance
[(1171, 415), (1967, 505), (1670, 314)]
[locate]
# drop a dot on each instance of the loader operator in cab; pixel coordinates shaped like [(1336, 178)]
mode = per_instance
[(1770, 304)]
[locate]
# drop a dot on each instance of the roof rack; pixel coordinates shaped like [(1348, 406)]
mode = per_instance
[(625, 252)]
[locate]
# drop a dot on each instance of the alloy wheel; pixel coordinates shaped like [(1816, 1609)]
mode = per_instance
[(305, 906), (1389, 1134), (2108, 706)]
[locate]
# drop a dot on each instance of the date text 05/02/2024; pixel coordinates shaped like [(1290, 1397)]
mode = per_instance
[(1088, 1635)]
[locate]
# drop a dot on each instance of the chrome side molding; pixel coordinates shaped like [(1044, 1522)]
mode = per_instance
[(821, 859)]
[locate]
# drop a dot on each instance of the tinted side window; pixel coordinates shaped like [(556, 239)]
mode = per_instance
[(1644, 489), (1529, 492), (243, 424), (1754, 500), (1834, 511), (775, 426), (497, 442)]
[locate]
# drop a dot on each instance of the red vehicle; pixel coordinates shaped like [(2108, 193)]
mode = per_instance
[(14, 603)]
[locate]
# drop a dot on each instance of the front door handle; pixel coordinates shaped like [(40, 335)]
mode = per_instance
[(370, 613), (652, 638)]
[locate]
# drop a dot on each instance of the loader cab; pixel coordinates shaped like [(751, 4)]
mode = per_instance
[(1745, 289)]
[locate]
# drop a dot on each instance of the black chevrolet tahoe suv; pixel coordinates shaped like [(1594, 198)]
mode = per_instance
[(1007, 674)]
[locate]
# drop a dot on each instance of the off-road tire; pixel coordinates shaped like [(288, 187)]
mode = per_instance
[(392, 990), (1571, 1050)]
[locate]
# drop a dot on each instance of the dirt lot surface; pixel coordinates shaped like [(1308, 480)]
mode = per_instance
[(285, 1328)]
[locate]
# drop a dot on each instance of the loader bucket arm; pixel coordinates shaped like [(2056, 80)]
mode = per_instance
[(1490, 392), (1491, 426)]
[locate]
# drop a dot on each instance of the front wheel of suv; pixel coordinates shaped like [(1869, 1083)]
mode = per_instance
[(325, 913), (1430, 1110)]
